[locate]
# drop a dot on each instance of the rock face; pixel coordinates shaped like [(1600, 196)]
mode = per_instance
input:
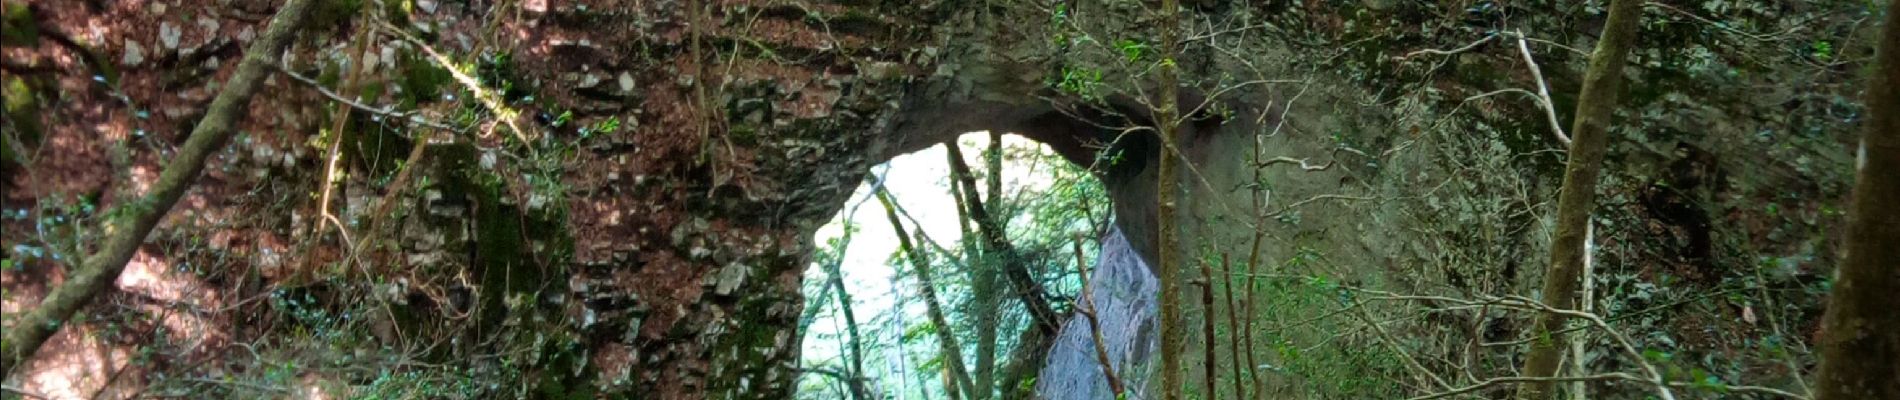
[(741, 126), (1124, 299)]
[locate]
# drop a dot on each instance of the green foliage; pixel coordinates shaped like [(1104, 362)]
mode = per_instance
[(1084, 83), (422, 80), (1821, 50), (1041, 215), (17, 25), (1324, 359), (333, 14), (63, 226), (20, 131), (496, 70), (1132, 49)]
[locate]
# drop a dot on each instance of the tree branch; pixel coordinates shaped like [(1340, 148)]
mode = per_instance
[(126, 233)]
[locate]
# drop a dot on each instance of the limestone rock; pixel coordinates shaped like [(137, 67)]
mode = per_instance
[(169, 35), (134, 54)]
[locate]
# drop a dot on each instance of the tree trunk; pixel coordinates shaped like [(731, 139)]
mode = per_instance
[(982, 273), (920, 266), (1860, 342), (836, 281), (996, 241), (1210, 363), (1167, 245), (126, 233), (1578, 195)]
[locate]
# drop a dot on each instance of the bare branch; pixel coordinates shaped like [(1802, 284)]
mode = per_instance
[(1543, 91), (411, 117), (1465, 48), (487, 98)]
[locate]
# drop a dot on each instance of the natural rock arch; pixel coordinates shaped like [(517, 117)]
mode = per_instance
[(727, 235), (1081, 139)]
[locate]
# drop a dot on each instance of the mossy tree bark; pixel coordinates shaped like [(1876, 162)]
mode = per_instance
[(1167, 246), (1860, 340), (125, 233), (1578, 195)]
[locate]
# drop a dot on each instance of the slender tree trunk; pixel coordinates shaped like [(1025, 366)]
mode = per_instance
[(982, 279), (1173, 323), (1253, 264), (1086, 305), (1233, 326), (1578, 197), (920, 266), (997, 245), (1860, 343), (836, 279), (1032, 351), (993, 161), (989, 304), (1210, 365), (950, 382), (126, 233)]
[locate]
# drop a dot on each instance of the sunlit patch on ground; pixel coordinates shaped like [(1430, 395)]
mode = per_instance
[(90, 359), (180, 300), (76, 364)]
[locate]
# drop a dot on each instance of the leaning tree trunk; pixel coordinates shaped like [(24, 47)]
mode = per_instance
[(835, 278), (126, 233), (1578, 196), (996, 244), (958, 377), (1860, 343)]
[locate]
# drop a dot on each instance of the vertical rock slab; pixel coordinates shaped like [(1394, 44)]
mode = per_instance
[(1124, 291)]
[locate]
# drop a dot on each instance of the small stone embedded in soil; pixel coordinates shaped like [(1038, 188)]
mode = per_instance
[(626, 82), (427, 6), (168, 35), (370, 60), (882, 70), (134, 54), (210, 27), (389, 54)]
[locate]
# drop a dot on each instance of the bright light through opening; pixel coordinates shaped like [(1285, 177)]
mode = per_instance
[(884, 296)]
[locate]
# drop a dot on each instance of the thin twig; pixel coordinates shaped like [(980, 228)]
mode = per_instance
[(1543, 91), (1297, 204), (23, 392), (242, 384), (412, 117), (1465, 48), (1613, 376), (1586, 302), (1521, 379), (486, 97)]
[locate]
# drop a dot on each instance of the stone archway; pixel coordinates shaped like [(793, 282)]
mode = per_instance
[(722, 183)]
